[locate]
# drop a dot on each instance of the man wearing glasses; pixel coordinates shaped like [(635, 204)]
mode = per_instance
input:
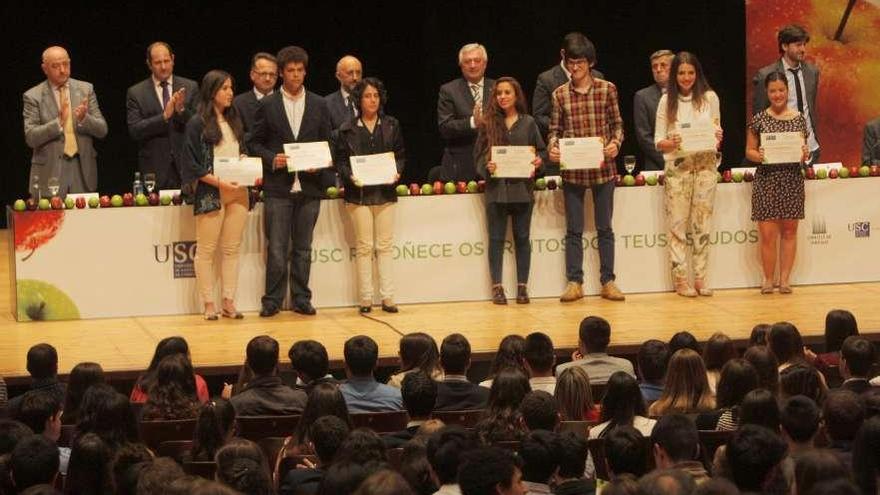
[(264, 75)]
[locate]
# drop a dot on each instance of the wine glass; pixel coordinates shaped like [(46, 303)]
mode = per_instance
[(629, 163), (150, 181), (54, 186)]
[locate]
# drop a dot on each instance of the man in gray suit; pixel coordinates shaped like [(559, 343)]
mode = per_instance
[(264, 76), (645, 109), (871, 143), (348, 72), (460, 106), (158, 109), (61, 116), (803, 81)]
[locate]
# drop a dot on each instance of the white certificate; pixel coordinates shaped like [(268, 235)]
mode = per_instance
[(513, 161), (245, 170), (307, 156), (581, 153), (373, 170), (697, 137), (782, 147)]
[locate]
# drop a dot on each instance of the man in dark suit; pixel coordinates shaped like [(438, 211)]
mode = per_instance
[(158, 109), (292, 200), (645, 109), (265, 394), (803, 81), (871, 143), (419, 393), (42, 365), (856, 358), (348, 72), (455, 392), (460, 106), (264, 75)]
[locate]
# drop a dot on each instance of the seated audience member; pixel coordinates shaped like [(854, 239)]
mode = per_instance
[(241, 465), (817, 466), (42, 413), (538, 453), (718, 351), (686, 390), (419, 393), (625, 484), (166, 347), (652, 359), (575, 397), (508, 356), (738, 377), (684, 340), (839, 324), (539, 358), (34, 461), (215, 425), (835, 487), (594, 336), (766, 365), (445, 449), (11, 432), (802, 379), (786, 344), (362, 446), (173, 394), (871, 399), (754, 455), (539, 411), (856, 358), (344, 478), (501, 420), (622, 405), (571, 450), (361, 391), (759, 334), (82, 376), (326, 435), (126, 466), (418, 352), (760, 407), (308, 359), (799, 420), (666, 482), (265, 394), (490, 471), (325, 399), (89, 469), (108, 414), (415, 468), (843, 414), (384, 482), (866, 456), (42, 365), (427, 429), (676, 445), (455, 392), (157, 475), (626, 452)]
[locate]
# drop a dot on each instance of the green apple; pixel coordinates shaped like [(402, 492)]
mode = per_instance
[(44, 204), (19, 205), (843, 173), (449, 188), (94, 202), (427, 189), (141, 199), (116, 200), (332, 192), (651, 180), (472, 186), (38, 300), (164, 200), (402, 190), (821, 173), (541, 183), (69, 203), (737, 176), (629, 180), (864, 171)]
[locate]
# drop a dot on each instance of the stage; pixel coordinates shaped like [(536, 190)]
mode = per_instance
[(123, 346)]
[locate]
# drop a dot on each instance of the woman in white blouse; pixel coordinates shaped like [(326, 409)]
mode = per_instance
[(688, 107)]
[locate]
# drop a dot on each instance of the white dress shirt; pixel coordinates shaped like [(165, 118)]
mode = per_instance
[(812, 142), (261, 95), (157, 87), (294, 107)]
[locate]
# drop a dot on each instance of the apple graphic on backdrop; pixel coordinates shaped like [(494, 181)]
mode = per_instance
[(80, 202), (44, 204), (427, 189), (153, 199), (864, 171), (94, 202), (640, 180), (414, 189), (19, 205), (401, 190), (833, 173), (56, 203), (472, 186), (31, 204), (651, 180), (541, 183), (461, 187), (106, 202), (449, 188), (332, 192), (38, 301), (843, 173), (116, 201), (69, 203)]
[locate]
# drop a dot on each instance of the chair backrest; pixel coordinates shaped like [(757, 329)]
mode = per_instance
[(381, 422), (67, 434), (153, 433), (511, 445), (287, 458), (271, 446), (258, 427), (174, 449), (579, 428), (710, 440), (205, 470), (466, 419)]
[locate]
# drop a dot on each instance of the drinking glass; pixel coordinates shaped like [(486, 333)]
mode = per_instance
[(150, 181), (629, 163), (54, 186)]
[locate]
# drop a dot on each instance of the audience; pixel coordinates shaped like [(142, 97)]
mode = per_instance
[(502, 421), (173, 393), (89, 469), (539, 411), (34, 461), (539, 358), (676, 445), (325, 399), (626, 452), (799, 420), (839, 324), (242, 466), (156, 475), (684, 340), (419, 393), (802, 379), (490, 471), (760, 407), (538, 453), (758, 336), (445, 450), (786, 344), (418, 352), (718, 351), (82, 376), (594, 336), (866, 456), (166, 347), (574, 395), (455, 392), (572, 452), (265, 394), (738, 377), (309, 360), (126, 466), (766, 365), (652, 359), (215, 425), (384, 482), (815, 466), (108, 414), (362, 446), (42, 365), (508, 356), (361, 390), (326, 434), (686, 390), (623, 406), (666, 482), (856, 358), (842, 414), (753, 458), (41, 412), (415, 468)]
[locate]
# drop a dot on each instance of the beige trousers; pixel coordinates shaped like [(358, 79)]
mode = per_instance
[(224, 227), (373, 229), (690, 200)]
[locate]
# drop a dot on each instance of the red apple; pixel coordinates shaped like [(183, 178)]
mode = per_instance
[(748, 176), (461, 187), (727, 176), (128, 199), (875, 170), (551, 184), (640, 180), (104, 201), (153, 199), (415, 189), (57, 203), (438, 187), (80, 202), (177, 199), (853, 171), (31, 204), (833, 173), (811, 173), (662, 179), (481, 186), (258, 183)]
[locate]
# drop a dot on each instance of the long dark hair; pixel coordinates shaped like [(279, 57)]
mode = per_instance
[(325, 399), (108, 414), (211, 84), (510, 355), (839, 324), (493, 130), (738, 377), (501, 420), (622, 402), (357, 93), (173, 395), (698, 93), (82, 376), (89, 468), (419, 350), (242, 465), (165, 347), (214, 423)]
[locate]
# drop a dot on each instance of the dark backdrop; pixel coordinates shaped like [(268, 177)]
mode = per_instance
[(411, 46)]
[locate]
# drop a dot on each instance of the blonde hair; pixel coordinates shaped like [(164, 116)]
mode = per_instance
[(686, 389), (573, 393)]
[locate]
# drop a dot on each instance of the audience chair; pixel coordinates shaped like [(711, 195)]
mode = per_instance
[(153, 433), (255, 428), (466, 419), (381, 422), (174, 449)]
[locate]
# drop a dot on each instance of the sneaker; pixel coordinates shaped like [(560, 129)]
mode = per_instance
[(611, 292), (573, 292)]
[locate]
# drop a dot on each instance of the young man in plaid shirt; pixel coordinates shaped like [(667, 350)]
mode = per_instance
[(587, 107)]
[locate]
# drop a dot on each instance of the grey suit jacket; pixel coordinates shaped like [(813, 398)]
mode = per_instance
[(43, 131), (547, 82), (160, 143), (455, 107), (644, 117), (811, 86), (871, 143), (246, 105), (339, 113)]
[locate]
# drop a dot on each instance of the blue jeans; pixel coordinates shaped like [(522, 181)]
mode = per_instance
[(603, 209), (496, 217), (289, 220)]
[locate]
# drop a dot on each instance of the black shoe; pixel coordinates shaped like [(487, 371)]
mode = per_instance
[(498, 296), (305, 308), (389, 308), (267, 311), (522, 294), (364, 309)]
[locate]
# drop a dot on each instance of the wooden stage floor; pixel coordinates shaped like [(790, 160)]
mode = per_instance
[(126, 344)]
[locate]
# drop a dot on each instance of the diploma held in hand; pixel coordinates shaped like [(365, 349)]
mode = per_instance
[(374, 170), (782, 147), (513, 161), (697, 137), (245, 171), (581, 153), (306, 156)]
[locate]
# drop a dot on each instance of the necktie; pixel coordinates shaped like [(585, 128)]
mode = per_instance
[(70, 147), (475, 92), (798, 90), (350, 106), (166, 93)]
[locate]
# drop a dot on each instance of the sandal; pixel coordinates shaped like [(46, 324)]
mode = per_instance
[(682, 288), (785, 289), (767, 288), (211, 315), (703, 291), (235, 315)]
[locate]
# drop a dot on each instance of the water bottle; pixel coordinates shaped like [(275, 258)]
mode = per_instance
[(138, 186)]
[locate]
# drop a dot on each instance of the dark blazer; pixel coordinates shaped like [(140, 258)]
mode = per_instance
[(272, 130), (268, 396), (547, 82), (460, 396), (346, 145), (339, 113), (301, 482), (160, 143), (644, 117), (399, 438), (455, 107), (811, 86), (871, 143), (50, 386), (857, 385), (246, 105), (197, 161)]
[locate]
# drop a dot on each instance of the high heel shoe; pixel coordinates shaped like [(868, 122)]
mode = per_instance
[(683, 288), (767, 288), (701, 289)]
